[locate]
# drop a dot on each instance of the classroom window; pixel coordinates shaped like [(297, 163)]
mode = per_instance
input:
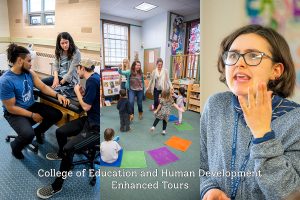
[(115, 43), (41, 12)]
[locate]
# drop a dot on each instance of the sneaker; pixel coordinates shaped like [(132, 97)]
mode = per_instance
[(163, 132), (177, 123), (17, 154), (152, 128), (46, 192), (53, 156)]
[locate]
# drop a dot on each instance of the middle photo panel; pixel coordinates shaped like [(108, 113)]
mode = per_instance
[(150, 100)]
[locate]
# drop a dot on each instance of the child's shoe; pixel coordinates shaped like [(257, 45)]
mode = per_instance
[(177, 123), (163, 132), (152, 128)]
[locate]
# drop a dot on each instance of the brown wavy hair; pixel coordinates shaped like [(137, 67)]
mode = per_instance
[(283, 86), (133, 68)]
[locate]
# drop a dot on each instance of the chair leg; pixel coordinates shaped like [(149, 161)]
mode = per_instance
[(33, 147), (91, 157)]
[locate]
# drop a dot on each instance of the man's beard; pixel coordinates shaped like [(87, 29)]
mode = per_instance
[(24, 70)]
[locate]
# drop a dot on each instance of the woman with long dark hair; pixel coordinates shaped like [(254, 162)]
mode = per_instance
[(135, 87), (67, 57)]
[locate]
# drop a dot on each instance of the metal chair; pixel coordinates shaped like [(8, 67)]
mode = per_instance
[(91, 158), (33, 147)]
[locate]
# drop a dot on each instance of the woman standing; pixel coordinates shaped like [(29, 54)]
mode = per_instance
[(125, 66), (67, 57), (159, 81), (135, 87)]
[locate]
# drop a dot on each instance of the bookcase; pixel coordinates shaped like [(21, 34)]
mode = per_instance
[(194, 98)]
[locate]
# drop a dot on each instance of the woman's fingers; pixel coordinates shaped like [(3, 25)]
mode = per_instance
[(251, 98), (243, 104), (259, 94)]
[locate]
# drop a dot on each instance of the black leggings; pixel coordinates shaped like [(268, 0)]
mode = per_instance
[(164, 123), (85, 136)]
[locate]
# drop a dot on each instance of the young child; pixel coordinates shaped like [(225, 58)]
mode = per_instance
[(124, 111), (109, 148), (180, 103), (252, 131), (163, 110)]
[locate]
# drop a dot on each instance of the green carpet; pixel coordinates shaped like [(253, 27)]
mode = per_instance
[(133, 159), (184, 126), (171, 186)]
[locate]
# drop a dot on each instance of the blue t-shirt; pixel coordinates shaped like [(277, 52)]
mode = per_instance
[(18, 86), (92, 97)]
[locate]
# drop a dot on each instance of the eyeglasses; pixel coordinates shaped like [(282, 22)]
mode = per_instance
[(252, 58)]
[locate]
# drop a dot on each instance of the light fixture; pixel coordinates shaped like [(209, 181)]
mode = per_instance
[(145, 7)]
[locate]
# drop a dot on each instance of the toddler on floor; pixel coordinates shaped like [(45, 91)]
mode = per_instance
[(109, 148)]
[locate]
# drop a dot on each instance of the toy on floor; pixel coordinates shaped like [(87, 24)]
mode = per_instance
[(117, 138)]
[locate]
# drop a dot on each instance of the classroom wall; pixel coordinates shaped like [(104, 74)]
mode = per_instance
[(192, 17), (135, 35), (217, 20), (82, 24), (4, 22), (154, 35), (136, 43)]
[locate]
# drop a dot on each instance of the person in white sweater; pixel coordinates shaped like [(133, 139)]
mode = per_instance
[(109, 148), (159, 81)]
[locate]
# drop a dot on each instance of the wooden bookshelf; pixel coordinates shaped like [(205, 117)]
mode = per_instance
[(194, 98)]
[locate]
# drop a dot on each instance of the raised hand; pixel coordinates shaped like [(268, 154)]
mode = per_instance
[(258, 111)]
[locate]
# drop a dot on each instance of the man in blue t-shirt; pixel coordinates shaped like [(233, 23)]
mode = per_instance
[(85, 130), (20, 109)]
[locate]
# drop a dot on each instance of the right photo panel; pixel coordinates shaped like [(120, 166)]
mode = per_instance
[(250, 100), (150, 99)]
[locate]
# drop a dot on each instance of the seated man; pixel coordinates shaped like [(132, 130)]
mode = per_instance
[(20, 109), (86, 130)]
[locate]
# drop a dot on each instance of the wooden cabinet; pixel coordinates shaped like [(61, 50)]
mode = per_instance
[(194, 98)]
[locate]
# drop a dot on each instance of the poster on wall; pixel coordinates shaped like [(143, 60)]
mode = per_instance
[(177, 33), (111, 82), (194, 39)]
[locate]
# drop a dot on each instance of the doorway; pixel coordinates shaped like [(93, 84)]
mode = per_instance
[(150, 57)]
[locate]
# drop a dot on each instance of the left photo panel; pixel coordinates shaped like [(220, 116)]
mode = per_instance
[(50, 99)]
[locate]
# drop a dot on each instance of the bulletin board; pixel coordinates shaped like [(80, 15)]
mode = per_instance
[(110, 82)]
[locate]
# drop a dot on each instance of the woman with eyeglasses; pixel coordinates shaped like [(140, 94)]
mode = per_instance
[(249, 136)]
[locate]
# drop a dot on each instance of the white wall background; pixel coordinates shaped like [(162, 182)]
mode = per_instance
[(4, 33), (217, 20), (136, 43), (154, 35), (4, 22)]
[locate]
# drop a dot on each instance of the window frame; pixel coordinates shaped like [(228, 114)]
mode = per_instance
[(103, 38), (41, 14)]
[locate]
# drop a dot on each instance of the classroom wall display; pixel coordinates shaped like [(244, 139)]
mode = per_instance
[(110, 82), (194, 38), (177, 34), (283, 16)]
